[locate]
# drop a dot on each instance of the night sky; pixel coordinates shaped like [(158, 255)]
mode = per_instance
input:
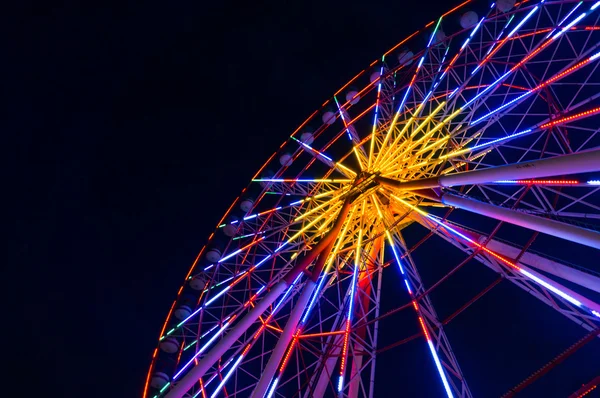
[(131, 129)]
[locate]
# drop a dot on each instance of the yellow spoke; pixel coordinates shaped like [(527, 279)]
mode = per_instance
[(318, 207), (390, 158), (329, 212)]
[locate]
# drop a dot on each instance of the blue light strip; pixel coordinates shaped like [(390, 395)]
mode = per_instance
[(524, 95), (273, 387), (202, 349), (438, 365), (516, 28), (405, 97), (579, 18), (564, 19), (493, 44), (515, 267), (313, 300), (312, 149), (410, 292), (343, 119), (349, 317), (227, 376), (504, 105), (508, 137)]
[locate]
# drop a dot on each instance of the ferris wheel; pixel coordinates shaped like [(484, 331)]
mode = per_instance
[(476, 136)]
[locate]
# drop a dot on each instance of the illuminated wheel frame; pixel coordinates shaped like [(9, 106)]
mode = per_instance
[(484, 132)]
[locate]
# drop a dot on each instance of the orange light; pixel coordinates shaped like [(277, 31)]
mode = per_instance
[(537, 32), (275, 328), (202, 388), (295, 131), (162, 331), (345, 347), (456, 8), (324, 334), (452, 62), (246, 350), (565, 72), (415, 305), (350, 81), (587, 392), (401, 43), (148, 375), (424, 328), (288, 354)]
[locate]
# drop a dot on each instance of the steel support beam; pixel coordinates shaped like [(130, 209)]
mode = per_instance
[(569, 232), (580, 318), (552, 267), (536, 261), (582, 162)]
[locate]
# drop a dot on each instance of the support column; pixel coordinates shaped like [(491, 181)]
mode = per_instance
[(483, 259), (552, 267), (569, 232), (284, 341), (582, 162)]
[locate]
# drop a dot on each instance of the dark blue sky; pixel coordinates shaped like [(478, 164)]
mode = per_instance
[(131, 128)]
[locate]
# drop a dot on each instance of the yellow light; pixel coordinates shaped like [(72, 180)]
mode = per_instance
[(436, 128), (358, 157), (316, 196), (435, 143), (340, 240), (392, 156), (377, 206), (313, 222), (318, 207), (345, 168), (428, 119), (415, 208), (360, 233)]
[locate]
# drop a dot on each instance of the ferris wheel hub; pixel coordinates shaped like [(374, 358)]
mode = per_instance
[(364, 183)]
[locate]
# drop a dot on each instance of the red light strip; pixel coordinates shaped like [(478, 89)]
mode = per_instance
[(345, 347), (288, 354), (544, 182), (587, 392), (571, 118), (424, 328)]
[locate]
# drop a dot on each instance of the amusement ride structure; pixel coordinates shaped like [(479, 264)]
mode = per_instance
[(480, 133)]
